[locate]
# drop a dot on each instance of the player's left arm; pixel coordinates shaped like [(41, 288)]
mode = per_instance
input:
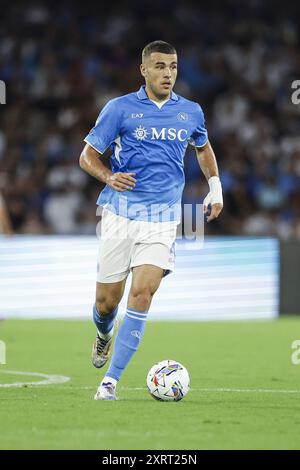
[(208, 164)]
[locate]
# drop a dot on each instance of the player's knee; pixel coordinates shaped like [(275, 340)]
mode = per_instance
[(106, 304)]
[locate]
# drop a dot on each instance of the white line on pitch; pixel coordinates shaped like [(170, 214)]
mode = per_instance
[(245, 390), (59, 379), (48, 379), (232, 390), (207, 390)]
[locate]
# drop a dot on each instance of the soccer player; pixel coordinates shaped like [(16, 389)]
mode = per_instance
[(148, 132)]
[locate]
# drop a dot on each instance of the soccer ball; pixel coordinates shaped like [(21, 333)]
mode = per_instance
[(168, 381)]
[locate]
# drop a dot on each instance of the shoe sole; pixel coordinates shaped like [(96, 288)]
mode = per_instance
[(105, 399)]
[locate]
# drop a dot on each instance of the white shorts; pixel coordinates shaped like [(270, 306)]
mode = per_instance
[(126, 243)]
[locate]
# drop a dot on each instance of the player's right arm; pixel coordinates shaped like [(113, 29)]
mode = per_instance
[(90, 162), (103, 134)]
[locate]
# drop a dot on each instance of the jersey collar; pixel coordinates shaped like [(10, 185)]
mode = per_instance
[(142, 95)]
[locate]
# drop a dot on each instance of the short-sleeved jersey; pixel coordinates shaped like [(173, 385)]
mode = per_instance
[(151, 142)]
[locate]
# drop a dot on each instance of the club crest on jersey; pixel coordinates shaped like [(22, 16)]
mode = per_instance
[(182, 117), (141, 133)]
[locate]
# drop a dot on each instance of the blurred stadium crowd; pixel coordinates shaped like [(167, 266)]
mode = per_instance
[(61, 62)]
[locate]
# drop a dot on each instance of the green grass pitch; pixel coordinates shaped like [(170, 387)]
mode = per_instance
[(245, 391)]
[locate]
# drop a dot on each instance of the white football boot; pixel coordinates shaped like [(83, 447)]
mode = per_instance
[(106, 391), (101, 351), (102, 347)]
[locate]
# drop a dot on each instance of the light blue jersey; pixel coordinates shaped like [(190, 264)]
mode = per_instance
[(151, 142)]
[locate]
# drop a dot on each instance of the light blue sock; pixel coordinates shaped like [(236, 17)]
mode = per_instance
[(127, 342), (104, 323)]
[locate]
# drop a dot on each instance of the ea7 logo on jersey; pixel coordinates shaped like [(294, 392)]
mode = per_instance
[(141, 133), (137, 115)]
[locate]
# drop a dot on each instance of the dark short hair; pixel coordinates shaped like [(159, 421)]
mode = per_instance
[(158, 46)]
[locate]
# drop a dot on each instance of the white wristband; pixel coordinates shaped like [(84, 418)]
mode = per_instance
[(215, 191)]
